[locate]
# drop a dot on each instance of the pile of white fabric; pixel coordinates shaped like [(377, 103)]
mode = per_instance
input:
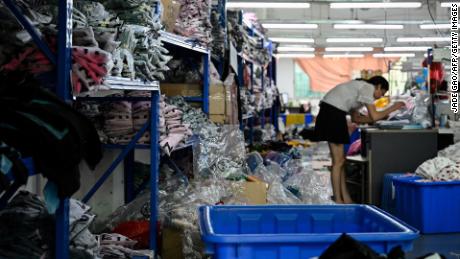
[(444, 167)]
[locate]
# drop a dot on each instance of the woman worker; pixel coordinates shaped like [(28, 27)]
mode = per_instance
[(331, 122)]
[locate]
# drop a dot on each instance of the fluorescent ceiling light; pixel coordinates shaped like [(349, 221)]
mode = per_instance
[(267, 5), (449, 4), (290, 26), (370, 26), (376, 5), (434, 26), (295, 48), (343, 55), (293, 40), (344, 49), (393, 55), (422, 39), (412, 48), (354, 40), (299, 55)]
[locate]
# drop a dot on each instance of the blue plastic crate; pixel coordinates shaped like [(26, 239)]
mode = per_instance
[(431, 207), (388, 203), (297, 231)]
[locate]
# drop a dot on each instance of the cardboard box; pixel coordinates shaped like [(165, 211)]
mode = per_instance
[(181, 89), (171, 247), (217, 105), (171, 10), (217, 118), (217, 98), (255, 193)]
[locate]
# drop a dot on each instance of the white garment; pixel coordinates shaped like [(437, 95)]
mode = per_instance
[(351, 95), (439, 169), (452, 152)]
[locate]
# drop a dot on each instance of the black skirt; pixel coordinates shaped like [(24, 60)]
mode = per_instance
[(331, 125)]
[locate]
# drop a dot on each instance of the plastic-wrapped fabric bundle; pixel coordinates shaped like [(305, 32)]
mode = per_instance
[(277, 192), (220, 151), (422, 114), (314, 186)]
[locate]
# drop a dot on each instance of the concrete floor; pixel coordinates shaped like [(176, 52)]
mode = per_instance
[(445, 244)]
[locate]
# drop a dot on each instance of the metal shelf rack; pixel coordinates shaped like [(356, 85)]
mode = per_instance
[(62, 60), (191, 45), (249, 119)]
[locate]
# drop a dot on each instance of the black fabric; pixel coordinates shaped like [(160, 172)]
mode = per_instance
[(38, 124), (331, 125), (348, 248)]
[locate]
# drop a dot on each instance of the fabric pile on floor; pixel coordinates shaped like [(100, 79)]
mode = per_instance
[(28, 232), (194, 21), (27, 229)]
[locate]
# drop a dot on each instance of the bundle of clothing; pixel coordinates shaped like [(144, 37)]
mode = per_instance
[(29, 230), (444, 167), (184, 70), (39, 125), (194, 117), (102, 43), (172, 128), (218, 34), (251, 47), (194, 21)]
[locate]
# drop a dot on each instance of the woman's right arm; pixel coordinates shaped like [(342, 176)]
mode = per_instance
[(376, 115)]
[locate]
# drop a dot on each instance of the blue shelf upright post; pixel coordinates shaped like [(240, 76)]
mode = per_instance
[(64, 49), (206, 75), (154, 167), (31, 30), (64, 61)]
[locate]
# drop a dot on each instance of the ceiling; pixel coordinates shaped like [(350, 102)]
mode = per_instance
[(320, 13)]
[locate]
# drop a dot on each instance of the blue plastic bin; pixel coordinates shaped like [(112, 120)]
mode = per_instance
[(431, 207), (388, 203), (297, 231)]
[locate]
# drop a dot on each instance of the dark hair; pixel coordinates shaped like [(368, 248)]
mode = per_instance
[(379, 80)]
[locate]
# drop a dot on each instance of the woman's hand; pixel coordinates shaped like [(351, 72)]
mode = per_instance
[(399, 105)]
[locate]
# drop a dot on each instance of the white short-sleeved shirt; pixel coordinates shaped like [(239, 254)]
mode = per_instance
[(350, 95)]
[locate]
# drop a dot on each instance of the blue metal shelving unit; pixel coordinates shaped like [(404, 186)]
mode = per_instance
[(62, 61), (248, 119), (185, 43), (127, 155)]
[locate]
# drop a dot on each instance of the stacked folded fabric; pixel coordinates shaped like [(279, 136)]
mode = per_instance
[(116, 246), (184, 70), (218, 34), (195, 118), (174, 130), (194, 21)]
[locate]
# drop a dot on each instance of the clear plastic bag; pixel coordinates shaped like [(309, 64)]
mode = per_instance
[(422, 113), (220, 151)]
